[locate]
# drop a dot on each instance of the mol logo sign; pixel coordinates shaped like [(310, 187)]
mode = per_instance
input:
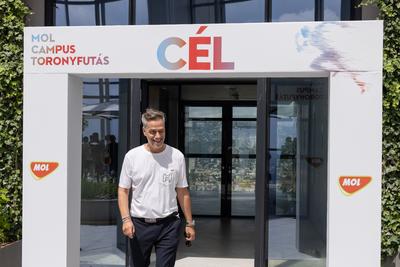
[(353, 184), (42, 169), (199, 56)]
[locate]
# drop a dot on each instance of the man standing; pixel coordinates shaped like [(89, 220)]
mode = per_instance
[(156, 173)]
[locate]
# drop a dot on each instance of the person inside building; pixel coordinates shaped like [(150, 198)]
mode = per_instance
[(156, 174), (111, 156), (97, 154)]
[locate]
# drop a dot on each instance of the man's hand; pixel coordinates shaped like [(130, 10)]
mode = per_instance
[(184, 201), (128, 229), (191, 233)]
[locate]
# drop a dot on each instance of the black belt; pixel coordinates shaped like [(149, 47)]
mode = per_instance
[(158, 220)]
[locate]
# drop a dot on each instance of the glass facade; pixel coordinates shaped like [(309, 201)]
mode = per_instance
[(339, 9), (289, 10), (199, 11), (142, 12), (91, 13)]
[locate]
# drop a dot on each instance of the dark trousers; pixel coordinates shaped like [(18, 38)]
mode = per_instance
[(164, 236)]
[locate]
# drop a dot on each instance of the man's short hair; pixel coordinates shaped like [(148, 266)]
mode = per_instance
[(152, 114)]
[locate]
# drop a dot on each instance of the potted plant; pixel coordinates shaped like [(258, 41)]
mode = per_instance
[(99, 202)]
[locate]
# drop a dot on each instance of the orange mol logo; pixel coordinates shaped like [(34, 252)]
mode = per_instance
[(42, 169), (352, 184)]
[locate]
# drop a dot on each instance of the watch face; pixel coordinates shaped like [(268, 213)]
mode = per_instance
[(192, 223)]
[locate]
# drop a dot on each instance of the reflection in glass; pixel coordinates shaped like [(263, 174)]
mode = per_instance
[(243, 186), (203, 137), (205, 14), (60, 15), (86, 13), (337, 9), (203, 112), (244, 112), (289, 10), (100, 157), (163, 12), (116, 12), (204, 178), (332, 10), (243, 160), (298, 172), (244, 11), (199, 11), (80, 15), (100, 136), (142, 12), (244, 137)]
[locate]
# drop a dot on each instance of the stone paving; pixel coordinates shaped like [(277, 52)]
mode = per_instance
[(219, 243)]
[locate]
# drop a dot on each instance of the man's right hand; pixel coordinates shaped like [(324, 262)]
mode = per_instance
[(128, 229)]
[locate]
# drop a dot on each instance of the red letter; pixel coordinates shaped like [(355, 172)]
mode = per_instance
[(218, 64), (72, 49), (58, 48), (194, 53)]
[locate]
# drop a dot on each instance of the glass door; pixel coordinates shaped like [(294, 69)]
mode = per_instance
[(219, 145), (297, 209), (243, 160), (203, 151)]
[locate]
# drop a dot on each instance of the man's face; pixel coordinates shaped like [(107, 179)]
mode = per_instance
[(155, 134)]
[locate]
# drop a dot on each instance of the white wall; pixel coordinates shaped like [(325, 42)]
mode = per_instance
[(51, 206), (355, 144)]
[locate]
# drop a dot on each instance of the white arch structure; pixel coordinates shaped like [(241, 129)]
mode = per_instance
[(57, 58)]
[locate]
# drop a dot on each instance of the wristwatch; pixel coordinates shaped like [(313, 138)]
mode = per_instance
[(190, 223)]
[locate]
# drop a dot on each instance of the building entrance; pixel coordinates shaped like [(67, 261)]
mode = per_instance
[(216, 131), (214, 123), (219, 142)]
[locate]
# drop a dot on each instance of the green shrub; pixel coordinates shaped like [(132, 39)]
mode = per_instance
[(4, 218), (98, 190), (12, 15), (390, 13)]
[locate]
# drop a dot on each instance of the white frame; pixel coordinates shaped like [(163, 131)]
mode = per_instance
[(349, 53)]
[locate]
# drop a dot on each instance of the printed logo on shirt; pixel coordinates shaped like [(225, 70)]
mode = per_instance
[(168, 177), (352, 184), (42, 169)]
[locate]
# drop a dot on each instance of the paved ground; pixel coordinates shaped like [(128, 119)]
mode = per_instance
[(219, 244)]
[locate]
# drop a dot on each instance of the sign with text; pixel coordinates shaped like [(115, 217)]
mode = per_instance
[(353, 184), (42, 169)]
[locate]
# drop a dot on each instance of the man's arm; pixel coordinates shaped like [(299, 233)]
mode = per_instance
[(184, 201), (123, 203)]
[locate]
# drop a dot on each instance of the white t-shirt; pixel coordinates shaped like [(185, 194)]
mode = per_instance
[(153, 178)]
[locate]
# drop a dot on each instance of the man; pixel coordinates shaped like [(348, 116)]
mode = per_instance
[(156, 173)]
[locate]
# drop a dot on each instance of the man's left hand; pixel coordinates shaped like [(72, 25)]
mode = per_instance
[(191, 233)]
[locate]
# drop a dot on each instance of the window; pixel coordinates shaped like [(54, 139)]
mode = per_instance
[(94, 12)]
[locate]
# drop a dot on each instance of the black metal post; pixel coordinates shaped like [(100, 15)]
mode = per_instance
[(262, 173), (268, 11), (134, 117), (319, 10)]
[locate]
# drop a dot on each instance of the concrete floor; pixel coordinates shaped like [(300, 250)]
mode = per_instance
[(219, 243)]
